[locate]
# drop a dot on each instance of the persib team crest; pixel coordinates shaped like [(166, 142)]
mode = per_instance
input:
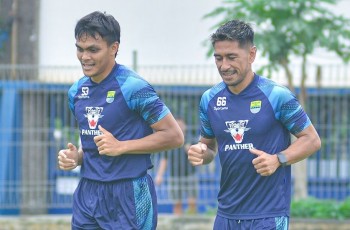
[(255, 106), (110, 96)]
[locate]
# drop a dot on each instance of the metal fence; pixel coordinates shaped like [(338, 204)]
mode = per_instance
[(36, 123)]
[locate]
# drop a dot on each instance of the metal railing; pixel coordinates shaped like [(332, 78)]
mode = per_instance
[(36, 123)]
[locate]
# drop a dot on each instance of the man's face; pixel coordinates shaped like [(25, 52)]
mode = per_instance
[(97, 58), (233, 62)]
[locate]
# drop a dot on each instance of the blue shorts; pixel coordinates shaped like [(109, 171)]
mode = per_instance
[(126, 204), (273, 223)]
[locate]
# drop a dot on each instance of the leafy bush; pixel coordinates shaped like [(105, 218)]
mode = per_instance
[(344, 208), (314, 209), (320, 209)]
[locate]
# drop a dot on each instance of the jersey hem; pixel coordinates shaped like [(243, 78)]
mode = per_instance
[(252, 217)]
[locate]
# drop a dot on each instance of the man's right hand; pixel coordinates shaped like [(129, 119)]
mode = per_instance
[(68, 158), (196, 153)]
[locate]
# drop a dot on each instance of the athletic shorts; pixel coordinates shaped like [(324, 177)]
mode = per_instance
[(125, 205), (273, 223)]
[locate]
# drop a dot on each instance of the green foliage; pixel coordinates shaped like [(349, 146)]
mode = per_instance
[(344, 208), (320, 209), (294, 27), (312, 208)]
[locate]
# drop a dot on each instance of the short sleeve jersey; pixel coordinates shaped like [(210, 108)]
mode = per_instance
[(262, 116), (125, 105)]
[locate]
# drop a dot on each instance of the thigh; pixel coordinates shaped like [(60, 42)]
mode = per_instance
[(145, 203), (273, 223), (282, 222), (222, 223), (125, 205), (84, 205), (128, 205)]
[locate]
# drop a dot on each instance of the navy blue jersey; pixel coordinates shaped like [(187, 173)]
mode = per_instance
[(125, 105), (262, 116)]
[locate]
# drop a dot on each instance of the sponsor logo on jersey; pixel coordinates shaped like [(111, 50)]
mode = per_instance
[(239, 146), (220, 104), (84, 93), (255, 106), (93, 114), (110, 96), (237, 130)]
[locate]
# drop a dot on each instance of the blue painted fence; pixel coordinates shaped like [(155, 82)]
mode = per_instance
[(36, 123)]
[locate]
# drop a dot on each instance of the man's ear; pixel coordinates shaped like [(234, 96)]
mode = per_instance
[(115, 48), (252, 54)]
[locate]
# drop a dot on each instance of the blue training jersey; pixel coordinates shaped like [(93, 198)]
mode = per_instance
[(125, 105), (262, 116)]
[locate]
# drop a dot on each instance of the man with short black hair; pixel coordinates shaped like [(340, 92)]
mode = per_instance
[(122, 121), (248, 120)]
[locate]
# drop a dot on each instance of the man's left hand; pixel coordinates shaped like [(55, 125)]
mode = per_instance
[(265, 164)]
